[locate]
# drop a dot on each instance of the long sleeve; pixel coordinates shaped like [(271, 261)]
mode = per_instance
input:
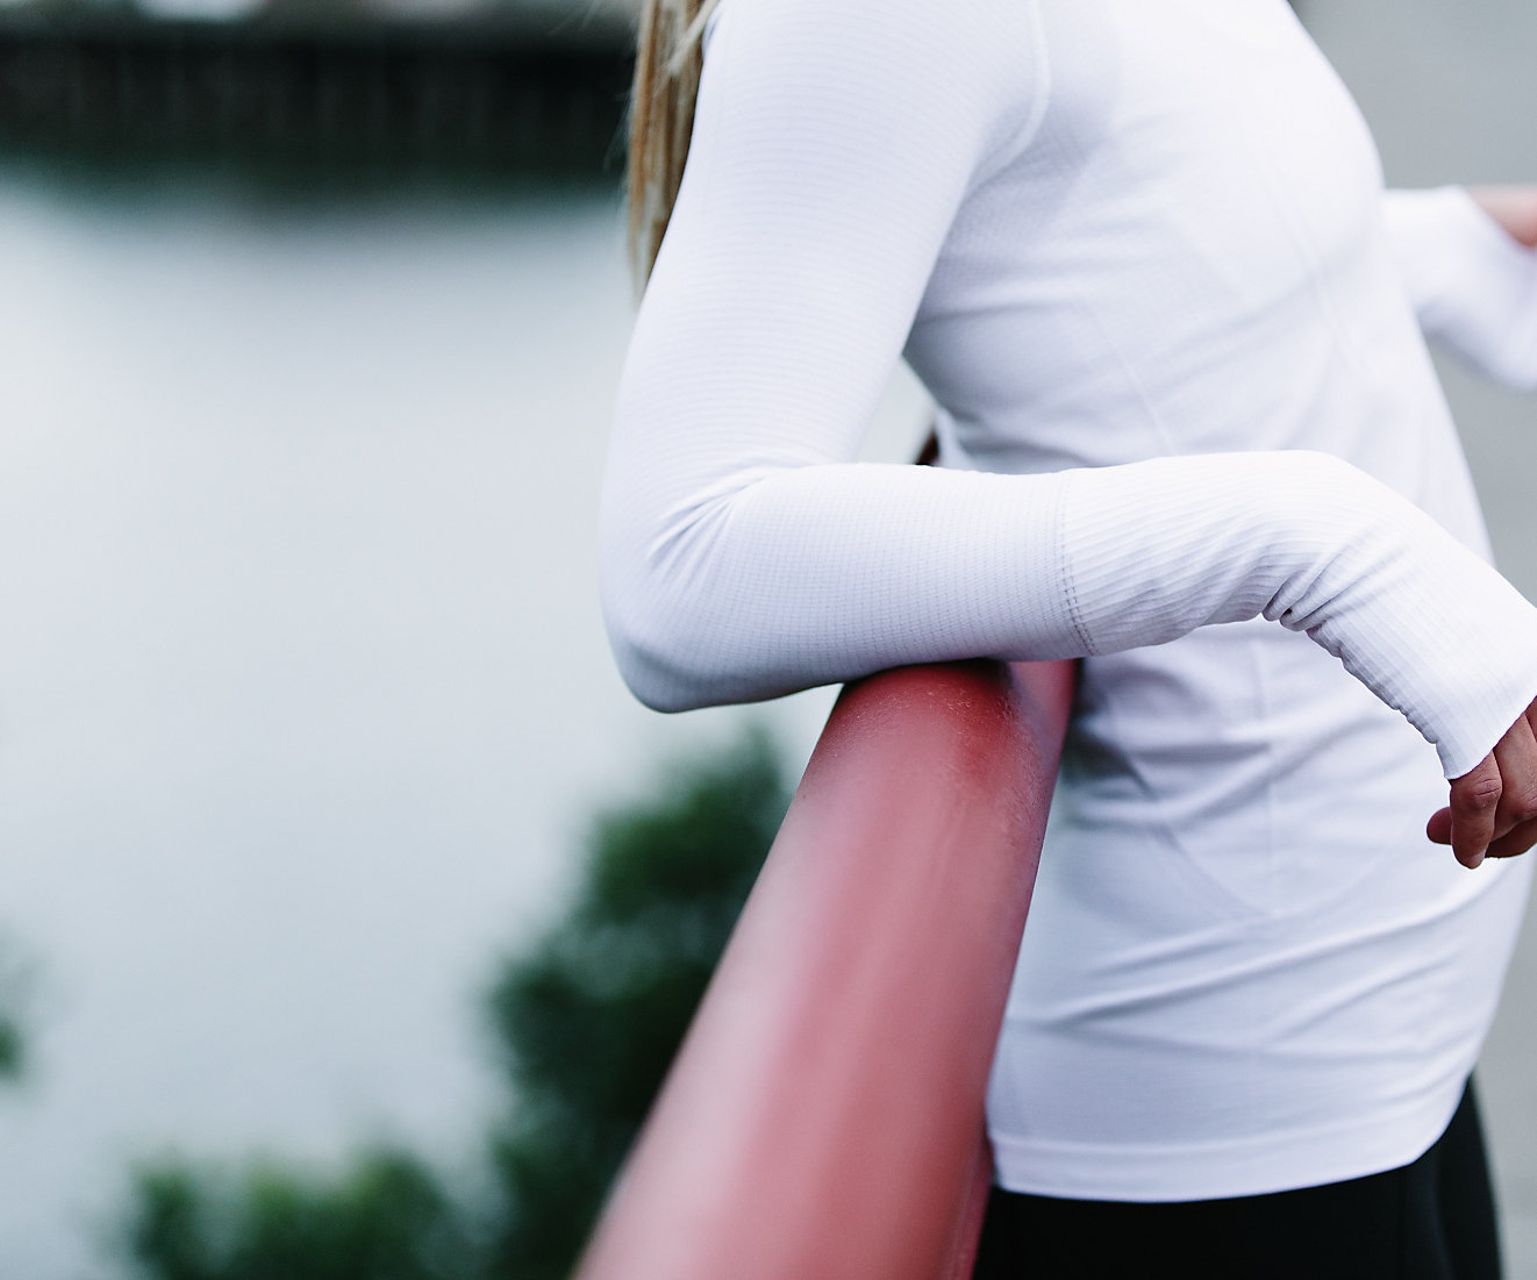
[(1474, 287), (745, 553)]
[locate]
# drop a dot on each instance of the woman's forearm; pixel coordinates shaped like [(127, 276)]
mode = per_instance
[(1468, 261), (802, 576)]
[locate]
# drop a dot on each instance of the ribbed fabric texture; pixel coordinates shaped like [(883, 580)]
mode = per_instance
[(1141, 254)]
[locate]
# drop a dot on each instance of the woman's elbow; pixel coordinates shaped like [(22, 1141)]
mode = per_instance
[(669, 653), (652, 656), (1513, 362), (685, 629)]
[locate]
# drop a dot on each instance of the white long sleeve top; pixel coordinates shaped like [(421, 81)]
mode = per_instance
[(1140, 253)]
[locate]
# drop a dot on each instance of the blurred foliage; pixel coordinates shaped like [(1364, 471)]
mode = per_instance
[(590, 1017), (385, 1218), (585, 1021), (10, 1048), (16, 980)]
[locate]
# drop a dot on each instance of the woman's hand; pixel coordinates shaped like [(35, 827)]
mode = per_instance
[(1493, 808), (1513, 207)]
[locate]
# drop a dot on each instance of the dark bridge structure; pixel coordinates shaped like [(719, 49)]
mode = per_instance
[(498, 94)]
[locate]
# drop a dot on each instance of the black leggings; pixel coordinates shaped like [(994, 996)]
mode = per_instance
[(1430, 1220)]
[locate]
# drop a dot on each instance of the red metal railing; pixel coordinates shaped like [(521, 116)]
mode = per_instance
[(824, 1116)]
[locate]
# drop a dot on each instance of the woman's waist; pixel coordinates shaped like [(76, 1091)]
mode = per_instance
[(1231, 721)]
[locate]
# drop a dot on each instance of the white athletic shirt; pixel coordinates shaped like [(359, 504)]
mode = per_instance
[(1140, 253)]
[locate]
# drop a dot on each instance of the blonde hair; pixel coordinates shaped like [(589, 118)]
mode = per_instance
[(668, 58)]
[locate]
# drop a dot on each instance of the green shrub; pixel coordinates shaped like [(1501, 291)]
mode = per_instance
[(586, 1019)]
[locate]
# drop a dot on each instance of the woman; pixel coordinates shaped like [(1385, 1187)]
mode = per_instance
[(1140, 253)]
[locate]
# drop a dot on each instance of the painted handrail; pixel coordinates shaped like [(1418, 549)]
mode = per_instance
[(824, 1116)]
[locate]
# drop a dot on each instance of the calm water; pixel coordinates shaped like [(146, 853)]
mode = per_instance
[(303, 687)]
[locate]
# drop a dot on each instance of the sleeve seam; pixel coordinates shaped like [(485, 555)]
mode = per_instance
[(1074, 607)]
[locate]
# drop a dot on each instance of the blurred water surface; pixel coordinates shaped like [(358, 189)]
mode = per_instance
[(303, 686)]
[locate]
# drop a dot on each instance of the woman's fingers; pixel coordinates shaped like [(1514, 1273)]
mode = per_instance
[(1518, 840), (1513, 842), (1516, 755), (1475, 803), (1493, 810)]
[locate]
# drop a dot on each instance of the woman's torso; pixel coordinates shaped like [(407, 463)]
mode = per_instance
[(1246, 967)]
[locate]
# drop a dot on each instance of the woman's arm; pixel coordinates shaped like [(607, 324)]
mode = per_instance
[(1469, 259), (746, 554), (1514, 207)]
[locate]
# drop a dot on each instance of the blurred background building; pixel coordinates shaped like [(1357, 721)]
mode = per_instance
[(310, 318)]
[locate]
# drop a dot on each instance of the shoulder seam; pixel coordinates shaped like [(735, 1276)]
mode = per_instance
[(1038, 70)]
